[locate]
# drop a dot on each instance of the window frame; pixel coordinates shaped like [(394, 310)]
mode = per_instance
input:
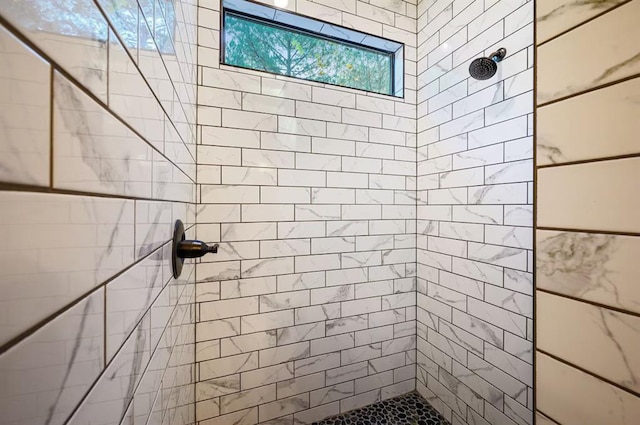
[(396, 57)]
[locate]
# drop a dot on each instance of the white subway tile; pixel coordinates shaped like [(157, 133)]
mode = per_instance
[(286, 89), (266, 267), (317, 262), (248, 176), (266, 321), (285, 195), (267, 104), (305, 127), (317, 111), (287, 142), (265, 158), (301, 178), (249, 120)]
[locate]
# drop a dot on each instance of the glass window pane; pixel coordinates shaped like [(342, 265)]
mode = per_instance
[(259, 45)]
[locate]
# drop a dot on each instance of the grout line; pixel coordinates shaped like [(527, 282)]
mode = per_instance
[(546, 416), (593, 18), (590, 302), (589, 161), (104, 328), (588, 372), (534, 275), (40, 324), (152, 350), (589, 90), (15, 187), (51, 125), (597, 232)]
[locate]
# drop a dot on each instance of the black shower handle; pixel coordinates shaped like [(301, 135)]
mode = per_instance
[(195, 249), (183, 248)]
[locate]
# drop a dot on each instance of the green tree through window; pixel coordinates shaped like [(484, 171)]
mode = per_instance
[(253, 44)]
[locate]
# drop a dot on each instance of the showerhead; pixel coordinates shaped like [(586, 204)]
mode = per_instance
[(485, 68)]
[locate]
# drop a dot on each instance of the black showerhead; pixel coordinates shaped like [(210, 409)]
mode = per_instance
[(485, 68)]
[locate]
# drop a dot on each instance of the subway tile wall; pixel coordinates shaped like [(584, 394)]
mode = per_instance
[(475, 212), (587, 236), (97, 148), (308, 309)]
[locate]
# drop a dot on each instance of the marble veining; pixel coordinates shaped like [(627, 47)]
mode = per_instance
[(129, 297), (153, 223), (614, 333), (598, 124), (24, 113), (571, 6), (37, 283), (555, 16), (55, 366), (591, 266), (114, 390), (94, 151), (560, 384), (603, 56), (614, 325)]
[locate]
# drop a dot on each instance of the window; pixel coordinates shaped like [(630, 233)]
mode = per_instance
[(266, 39)]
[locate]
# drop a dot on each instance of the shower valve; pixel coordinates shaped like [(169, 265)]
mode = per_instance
[(183, 248)]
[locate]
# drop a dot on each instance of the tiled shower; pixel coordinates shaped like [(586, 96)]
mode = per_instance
[(374, 251)]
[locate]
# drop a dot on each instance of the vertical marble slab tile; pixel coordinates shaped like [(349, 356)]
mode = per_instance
[(591, 266), (25, 86), (43, 378), (599, 124), (153, 69), (581, 196), (599, 52), (574, 398), (163, 308), (93, 151), (73, 34), (57, 248), (567, 329), (129, 296), (556, 16), (170, 183), (110, 397), (144, 400), (131, 98), (177, 151), (154, 225), (123, 16)]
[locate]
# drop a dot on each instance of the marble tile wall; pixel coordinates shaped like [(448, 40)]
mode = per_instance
[(97, 158), (587, 236), (308, 310), (475, 212)]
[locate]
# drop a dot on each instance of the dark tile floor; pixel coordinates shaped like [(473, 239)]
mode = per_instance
[(408, 409)]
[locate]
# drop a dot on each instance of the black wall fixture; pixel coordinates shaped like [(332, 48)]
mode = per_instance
[(485, 68), (183, 248)]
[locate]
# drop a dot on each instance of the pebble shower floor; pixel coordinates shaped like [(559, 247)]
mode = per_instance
[(408, 409)]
